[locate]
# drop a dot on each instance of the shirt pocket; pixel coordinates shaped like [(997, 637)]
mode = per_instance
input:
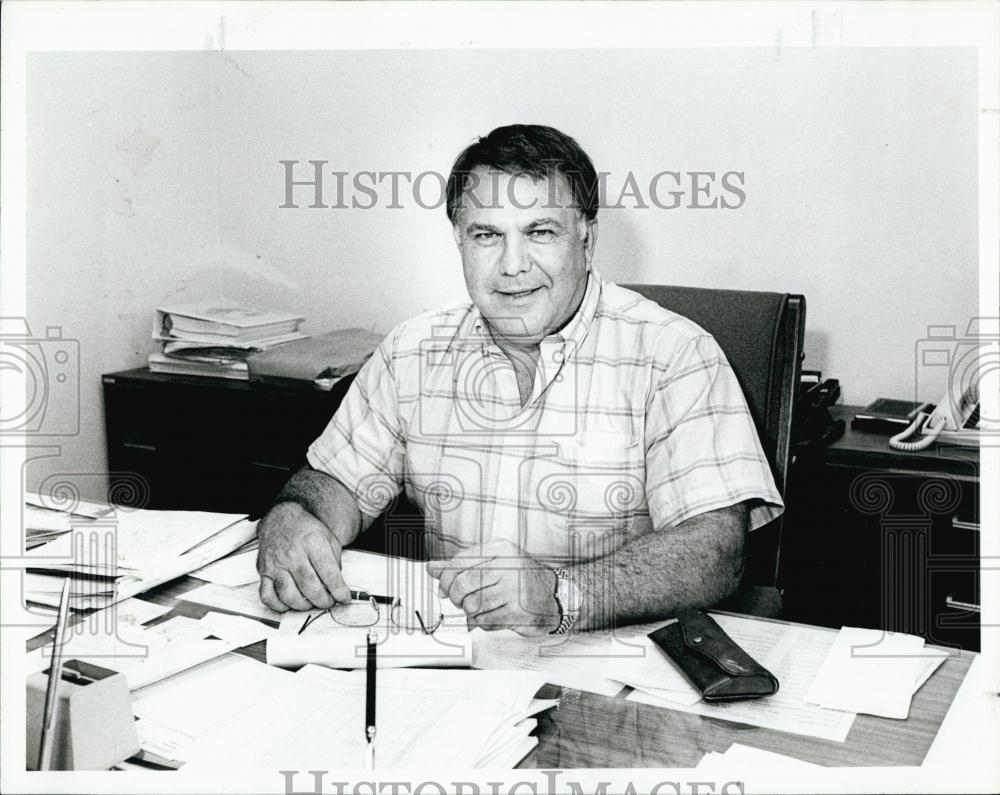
[(591, 491)]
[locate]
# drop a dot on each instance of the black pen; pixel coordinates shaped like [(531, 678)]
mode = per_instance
[(364, 596), (370, 703)]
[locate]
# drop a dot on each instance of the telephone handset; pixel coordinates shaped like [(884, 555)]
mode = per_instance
[(949, 423)]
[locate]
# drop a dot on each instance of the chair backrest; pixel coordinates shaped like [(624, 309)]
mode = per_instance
[(761, 335)]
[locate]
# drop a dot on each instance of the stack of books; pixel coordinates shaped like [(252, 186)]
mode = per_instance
[(217, 338)]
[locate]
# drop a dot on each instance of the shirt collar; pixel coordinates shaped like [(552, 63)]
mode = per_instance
[(574, 331)]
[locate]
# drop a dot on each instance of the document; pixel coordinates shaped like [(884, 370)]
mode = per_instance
[(366, 571), (794, 655), (40, 521), (146, 539), (56, 505), (168, 744), (744, 757), (314, 720), (244, 599), (403, 578), (193, 702), (241, 630), (579, 660), (177, 658), (873, 672), (240, 568), (133, 552), (346, 648), (142, 655), (133, 612), (652, 671), (127, 613)]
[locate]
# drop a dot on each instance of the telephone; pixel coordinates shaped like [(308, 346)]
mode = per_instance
[(812, 425), (950, 422)]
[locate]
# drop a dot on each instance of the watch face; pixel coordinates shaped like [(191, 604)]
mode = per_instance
[(569, 595)]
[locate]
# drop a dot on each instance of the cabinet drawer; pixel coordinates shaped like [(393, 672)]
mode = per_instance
[(212, 444)]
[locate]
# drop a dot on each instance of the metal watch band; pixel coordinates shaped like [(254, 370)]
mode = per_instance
[(567, 618)]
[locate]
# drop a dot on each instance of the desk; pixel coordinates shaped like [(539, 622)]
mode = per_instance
[(592, 731)]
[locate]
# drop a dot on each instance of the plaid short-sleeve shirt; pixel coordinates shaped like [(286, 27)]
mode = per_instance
[(636, 422)]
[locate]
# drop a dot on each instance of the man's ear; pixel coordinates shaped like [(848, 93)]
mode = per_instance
[(457, 234), (589, 232)]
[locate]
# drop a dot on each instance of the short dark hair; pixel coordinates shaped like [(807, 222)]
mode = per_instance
[(531, 149)]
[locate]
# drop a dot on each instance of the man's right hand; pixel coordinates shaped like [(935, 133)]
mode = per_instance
[(298, 561)]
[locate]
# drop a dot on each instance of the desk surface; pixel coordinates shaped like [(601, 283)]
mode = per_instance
[(865, 449), (592, 731)]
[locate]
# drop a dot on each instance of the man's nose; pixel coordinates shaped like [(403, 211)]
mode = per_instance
[(514, 258)]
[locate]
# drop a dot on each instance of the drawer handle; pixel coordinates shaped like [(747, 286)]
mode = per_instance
[(136, 446), (958, 524), (957, 605)]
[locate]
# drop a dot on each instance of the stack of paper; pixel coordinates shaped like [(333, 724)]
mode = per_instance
[(142, 655), (125, 552), (874, 672), (174, 713), (46, 518), (425, 718), (145, 655)]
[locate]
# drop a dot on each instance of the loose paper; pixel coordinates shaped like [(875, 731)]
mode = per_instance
[(236, 569), (793, 654), (874, 672)]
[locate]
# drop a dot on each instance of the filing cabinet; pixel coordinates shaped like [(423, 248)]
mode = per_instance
[(194, 443), (884, 539)]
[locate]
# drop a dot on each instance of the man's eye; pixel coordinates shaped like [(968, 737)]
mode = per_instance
[(485, 237), (541, 234)]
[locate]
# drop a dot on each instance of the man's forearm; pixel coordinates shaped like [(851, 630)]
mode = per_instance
[(328, 500), (693, 565)]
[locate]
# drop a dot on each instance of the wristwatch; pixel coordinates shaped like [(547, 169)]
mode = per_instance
[(569, 599)]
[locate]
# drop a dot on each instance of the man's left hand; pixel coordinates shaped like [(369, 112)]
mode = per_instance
[(497, 586)]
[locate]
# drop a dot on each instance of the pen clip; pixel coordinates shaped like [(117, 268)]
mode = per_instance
[(370, 750)]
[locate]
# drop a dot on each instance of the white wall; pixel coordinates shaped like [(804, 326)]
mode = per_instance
[(154, 176)]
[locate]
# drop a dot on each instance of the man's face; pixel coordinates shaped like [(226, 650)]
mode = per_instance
[(526, 251)]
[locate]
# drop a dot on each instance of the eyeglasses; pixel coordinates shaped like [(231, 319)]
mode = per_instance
[(368, 610)]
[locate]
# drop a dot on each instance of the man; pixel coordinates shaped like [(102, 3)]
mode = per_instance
[(582, 456)]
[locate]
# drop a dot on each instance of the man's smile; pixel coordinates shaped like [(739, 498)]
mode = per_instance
[(519, 293)]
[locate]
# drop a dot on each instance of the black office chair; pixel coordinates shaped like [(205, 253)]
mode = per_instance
[(762, 336)]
